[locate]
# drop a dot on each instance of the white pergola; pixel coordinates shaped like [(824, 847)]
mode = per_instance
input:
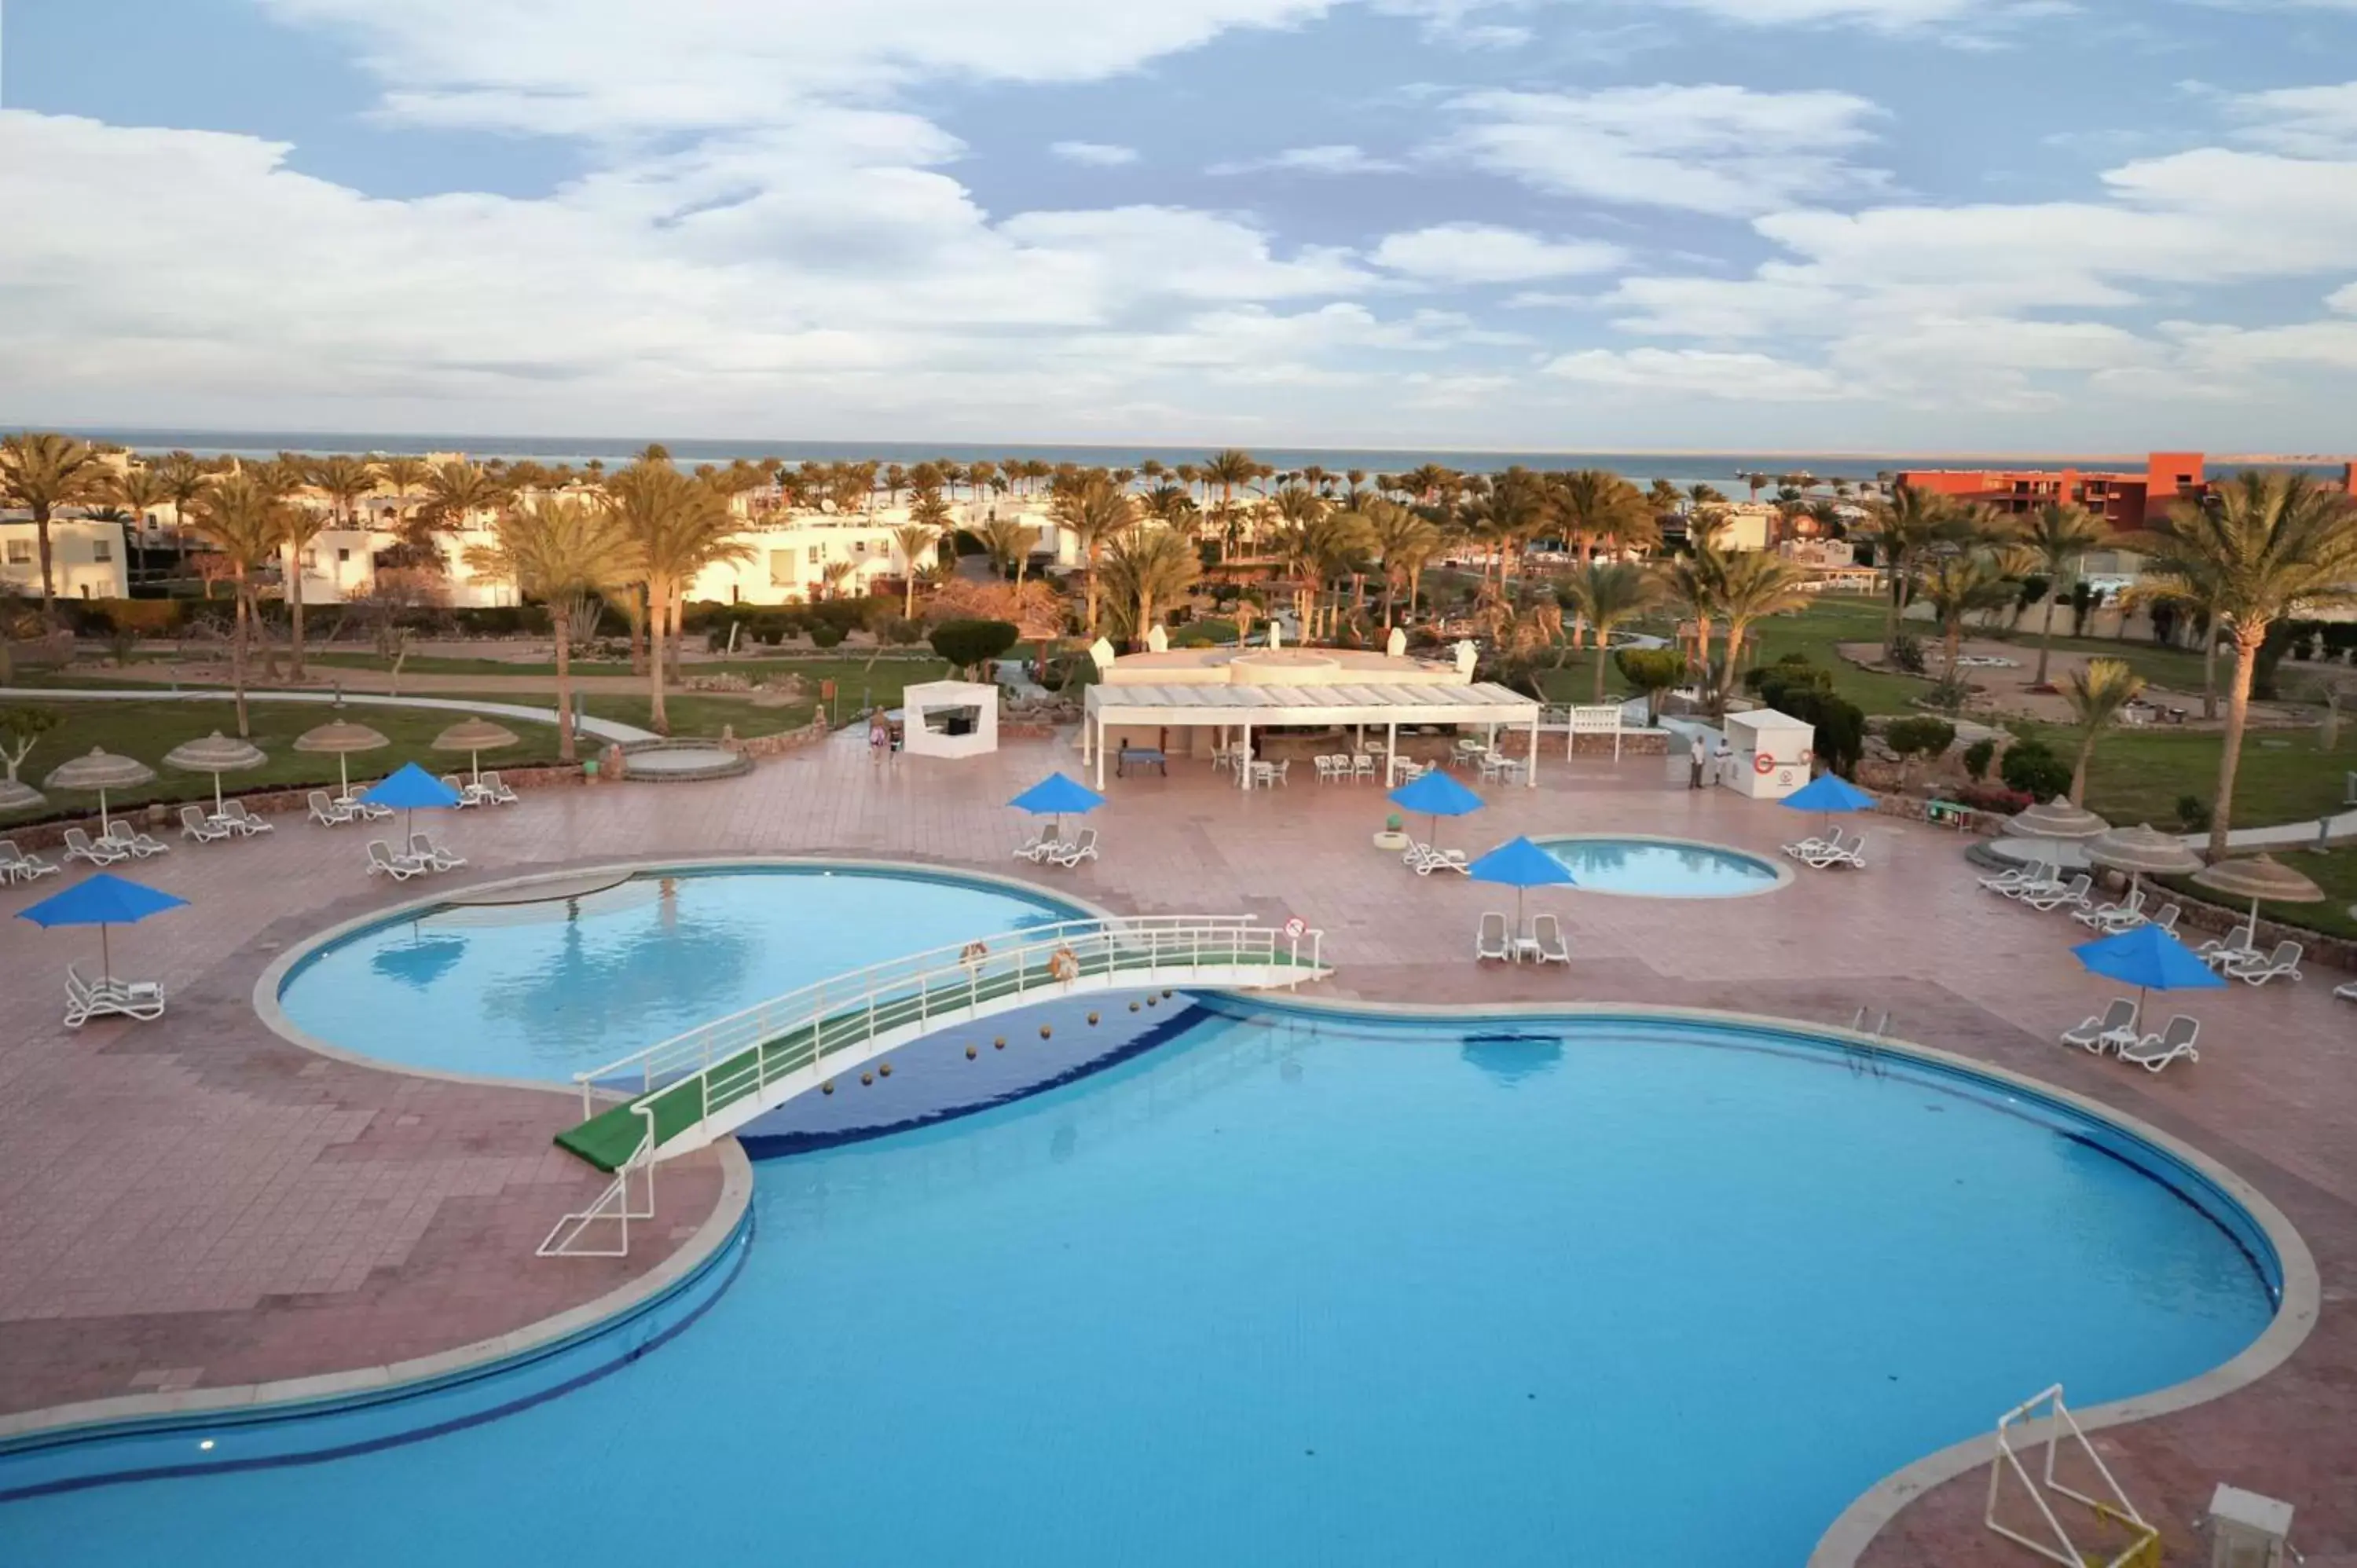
[(1488, 705)]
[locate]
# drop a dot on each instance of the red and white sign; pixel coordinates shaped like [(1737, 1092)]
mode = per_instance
[(1296, 929)]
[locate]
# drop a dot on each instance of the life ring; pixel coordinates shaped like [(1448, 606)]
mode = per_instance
[(972, 954), (1064, 964), (1762, 764)]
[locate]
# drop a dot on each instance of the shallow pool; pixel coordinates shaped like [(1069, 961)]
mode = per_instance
[(1662, 868), (549, 989), (1300, 1290)]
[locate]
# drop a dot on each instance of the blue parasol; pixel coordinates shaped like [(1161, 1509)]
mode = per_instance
[(102, 900), (1519, 863), (409, 787), (1828, 793), (1436, 795), (2148, 959), (1055, 795)]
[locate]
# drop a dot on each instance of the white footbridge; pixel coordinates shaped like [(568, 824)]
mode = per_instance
[(703, 1085)]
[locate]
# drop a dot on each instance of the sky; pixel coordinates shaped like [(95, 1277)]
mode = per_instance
[(1821, 225)]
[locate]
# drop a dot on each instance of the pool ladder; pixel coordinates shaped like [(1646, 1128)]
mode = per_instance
[(1864, 1061)]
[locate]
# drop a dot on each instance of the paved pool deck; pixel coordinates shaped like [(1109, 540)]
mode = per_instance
[(198, 1204)]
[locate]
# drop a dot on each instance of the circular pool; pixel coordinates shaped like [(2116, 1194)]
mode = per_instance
[(1663, 868), (520, 986), (1301, 1286)]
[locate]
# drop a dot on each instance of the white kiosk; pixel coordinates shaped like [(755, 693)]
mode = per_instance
[(950, 718), (1770, 753)]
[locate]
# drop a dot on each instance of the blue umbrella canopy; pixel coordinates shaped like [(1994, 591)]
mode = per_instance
[(101, 900), (1055, 795), (2148, 959), (1520, 864), (104, 899), (1829, 792), (410, 786), (1436, 795)]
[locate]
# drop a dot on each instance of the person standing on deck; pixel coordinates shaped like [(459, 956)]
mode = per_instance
[(1696, 754)]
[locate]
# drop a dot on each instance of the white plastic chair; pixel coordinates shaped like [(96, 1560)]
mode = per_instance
[(1362, 765), (400, 868), (2283, 961), (195, 824), (1546, 935), (2116, 1026), (495, 789), (2176, 1039), (434, 855), (236, 815), (327, 812), (105, 852), (123, 835)]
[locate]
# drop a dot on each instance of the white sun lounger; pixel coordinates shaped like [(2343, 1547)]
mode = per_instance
[(2236, 944), (495, 790), (1491, 941), (2115, 1027), (2125, 915), (1801, 849), (1041, 848), (400, 868), (1546, 935), (2176, 1039), (1423, 860), (1082, 848), (434, 855), (105, 852), (2072, 895), (195, 824), (1838, 851), (2283, 961), (2346, 992), (236, 815), (327, 812), (85, 999), (15, 865), (2013, 877), (123, 835)]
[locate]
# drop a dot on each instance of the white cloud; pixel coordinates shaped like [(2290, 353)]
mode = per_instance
[(2307, 122), (1698, 372), (603, 67), (1487, 253), (1709, 148), (1335, 158), (1094, 154)]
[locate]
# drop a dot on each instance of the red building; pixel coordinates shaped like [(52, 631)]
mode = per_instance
[(2123, 501)]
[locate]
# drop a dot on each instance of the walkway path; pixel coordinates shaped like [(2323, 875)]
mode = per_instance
[(194, 1202), (603, 729)]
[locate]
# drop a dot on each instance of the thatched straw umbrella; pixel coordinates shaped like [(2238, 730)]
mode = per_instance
[(343, 738), (2262, 880), (2057, 818), (216, 754), (2143, 851), (15, 795), (473, 736), (101, 772)]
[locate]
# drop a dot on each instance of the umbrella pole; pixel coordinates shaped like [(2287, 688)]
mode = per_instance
[(475, 765), (105, 957), (217, 795), (343, 777), (105, 827)]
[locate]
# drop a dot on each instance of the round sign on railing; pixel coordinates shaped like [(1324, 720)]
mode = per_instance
[(1296, 929)]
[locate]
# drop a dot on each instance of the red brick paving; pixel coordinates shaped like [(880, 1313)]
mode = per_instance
[(201, 1201)]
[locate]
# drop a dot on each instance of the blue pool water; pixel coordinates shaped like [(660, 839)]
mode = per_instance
[(1293, 1289), (550, 989), (1661, 868)]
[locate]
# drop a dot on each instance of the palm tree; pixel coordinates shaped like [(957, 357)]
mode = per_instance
[(298, 526), (2265, 546), (560, 551), (43, 471), (1596, 506), (1096, 511), (1604, 594), (454, 491), (343, 481), (1753, 586), (1960, 582), (913, 540), (184, 479), (1228, 468), (1008, 544), (1691, 582), (1405, 540), (1147, 571), (1905, 528), (1339, 543), (242, 517), (2057, 535), (2096, 695), (407, 475), (139, 490), (676, 528)]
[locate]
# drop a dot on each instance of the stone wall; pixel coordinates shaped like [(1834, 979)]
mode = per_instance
[(779, 744)]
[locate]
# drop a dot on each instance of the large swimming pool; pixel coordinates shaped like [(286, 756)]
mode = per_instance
[(1663, 868), (1305, 1288), (549, 988)]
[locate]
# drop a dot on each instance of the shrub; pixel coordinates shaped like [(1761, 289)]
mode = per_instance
[(1907, 654), (967, 643), (900, 632), (1977, 756), (136, 617), (1920, 736), (2193, 813), (1995, 798), (1840, 725), (1651, 671), (2030, 768), (826, 634), (1947, 696), (1791, 673)]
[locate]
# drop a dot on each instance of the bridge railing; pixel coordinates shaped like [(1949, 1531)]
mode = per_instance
[(942, 982)]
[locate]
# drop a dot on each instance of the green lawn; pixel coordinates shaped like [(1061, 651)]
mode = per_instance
[(2174, 668), (763, 664), (1829, 620), (695, 714), (147, 730), (2137, 775)]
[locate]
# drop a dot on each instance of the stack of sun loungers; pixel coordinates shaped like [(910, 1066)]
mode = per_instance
[(88, 999), (1817, 853), (1049, 849), (1423, 860)]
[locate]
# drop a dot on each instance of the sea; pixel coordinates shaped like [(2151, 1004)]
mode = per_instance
[(1725, 469)]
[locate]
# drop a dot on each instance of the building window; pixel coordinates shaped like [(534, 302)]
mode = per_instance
[(342, 556), (20, 553), (817, 553), (859, 547), (782, 569), (102, 550)]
